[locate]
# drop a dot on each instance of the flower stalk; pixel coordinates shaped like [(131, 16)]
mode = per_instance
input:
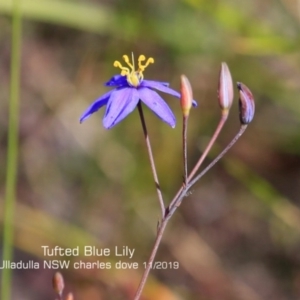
[(152, 163), (186, 100), (131, 90), (225, 96), (246, 105)]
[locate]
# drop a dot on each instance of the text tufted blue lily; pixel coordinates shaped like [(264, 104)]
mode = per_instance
[(130, 88)]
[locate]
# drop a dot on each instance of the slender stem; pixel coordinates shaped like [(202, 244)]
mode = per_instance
[(183, 191), (160, 232), (234, 140), (210, 144), (184, 145), (153, 168), (159, 236), (204, 154), (171, 210), (12, 150)]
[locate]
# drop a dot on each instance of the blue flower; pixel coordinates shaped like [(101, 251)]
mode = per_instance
[(130, 88)]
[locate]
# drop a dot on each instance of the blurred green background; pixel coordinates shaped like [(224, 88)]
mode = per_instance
[(237, 235)]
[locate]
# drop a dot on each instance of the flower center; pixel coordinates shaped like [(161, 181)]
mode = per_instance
[(134, 77)]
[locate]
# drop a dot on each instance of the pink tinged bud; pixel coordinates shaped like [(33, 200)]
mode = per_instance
[(225, 88), (186, 95), (246, 104), (69, 297), (58, 283)]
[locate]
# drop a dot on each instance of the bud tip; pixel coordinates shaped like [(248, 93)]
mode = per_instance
[(58, 283), (186, 98), (246, 104), (225, 88)]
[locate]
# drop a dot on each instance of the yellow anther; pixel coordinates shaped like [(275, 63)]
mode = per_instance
[(134, 77), (126, 59), (143, 67), (117, 64), (141, 58), (125, 71)]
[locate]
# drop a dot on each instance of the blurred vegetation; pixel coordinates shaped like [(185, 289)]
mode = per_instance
[(238, 235)]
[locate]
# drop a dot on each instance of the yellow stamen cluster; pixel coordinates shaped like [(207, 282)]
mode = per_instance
[(134, 77)]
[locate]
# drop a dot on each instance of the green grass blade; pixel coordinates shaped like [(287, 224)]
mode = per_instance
[(75, 15), (12, 155)]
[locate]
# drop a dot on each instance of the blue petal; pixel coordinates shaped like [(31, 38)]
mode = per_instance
[(149, 82), (96, 105), (117, 80), (157, 105), (121, 103), (160, 86)]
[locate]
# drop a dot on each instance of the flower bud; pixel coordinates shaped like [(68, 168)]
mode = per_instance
[(246, 104), (58, 283), (225, 88), (186, 95), (69, 297)]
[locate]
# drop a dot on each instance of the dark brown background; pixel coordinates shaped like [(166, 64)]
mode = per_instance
[(237, 235)]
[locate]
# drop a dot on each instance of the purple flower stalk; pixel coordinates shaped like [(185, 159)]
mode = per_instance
[(130, 88)]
